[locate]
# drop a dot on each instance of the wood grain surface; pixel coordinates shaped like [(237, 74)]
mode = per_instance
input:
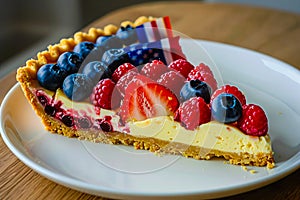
[(272, 32)]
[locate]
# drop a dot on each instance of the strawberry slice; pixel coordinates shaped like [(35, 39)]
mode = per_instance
[(147, 101)]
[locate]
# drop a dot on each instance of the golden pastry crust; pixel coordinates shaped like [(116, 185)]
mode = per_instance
[(26, 76)]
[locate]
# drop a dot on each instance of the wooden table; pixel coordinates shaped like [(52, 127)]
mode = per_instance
[(271, 32)]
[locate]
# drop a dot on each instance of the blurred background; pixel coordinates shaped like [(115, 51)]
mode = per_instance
[(29, 26)]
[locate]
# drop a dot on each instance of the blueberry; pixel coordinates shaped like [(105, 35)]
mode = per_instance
[(96, 70), (43, 99), (94, 55), (195, 88), (84, 48), (77, 86), (109, 42), (51, 76), (83, 122), (113, 58), (103, 125), (70, 61), (50, 110), (68, 120), (226, 108), (101, 39), (106, 126), (127, 35)]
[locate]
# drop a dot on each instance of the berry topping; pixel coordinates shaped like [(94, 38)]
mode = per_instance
[(154, 69), (113, 58), (127, 35), (203, 68), (70, 61), (51, 76), (124, 81), (253, 121), (84, 48), (77, 86), (195, 88), (147, 101), (101, 39), (131, 77), (182, 66), (109, 42), (122, 70), (102, 94), (193, 113), (203, 73), (172, 80), (226, 108), (96, 70), (231, 90)]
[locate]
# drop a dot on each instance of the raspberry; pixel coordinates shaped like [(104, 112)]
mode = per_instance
[(193, 113), (204, 68), (124, 81), (154, 69), (121, 70), (131, 77), (172, 80), (203, 73), (182, 66), (231, 90), (102, 94), (253, 121)]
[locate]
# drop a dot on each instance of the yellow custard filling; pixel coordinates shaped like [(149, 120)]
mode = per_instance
[(212, 135)]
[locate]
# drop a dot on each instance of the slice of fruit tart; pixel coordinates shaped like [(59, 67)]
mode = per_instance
[(133, 85)]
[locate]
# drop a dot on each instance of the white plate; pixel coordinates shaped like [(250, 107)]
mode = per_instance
[(121, 172)]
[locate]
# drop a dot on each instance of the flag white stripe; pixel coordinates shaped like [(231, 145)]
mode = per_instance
[(165, 44)]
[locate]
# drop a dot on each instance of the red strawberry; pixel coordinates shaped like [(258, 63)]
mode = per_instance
[(154, 69), (102, 94), (146, 101), (122, 70), (172, 80), (193, 113), (203, 73), (231, 90), (182, 66), (253, 121)]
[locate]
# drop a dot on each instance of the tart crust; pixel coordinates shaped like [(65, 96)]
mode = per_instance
[(166, 147), (26, 76)]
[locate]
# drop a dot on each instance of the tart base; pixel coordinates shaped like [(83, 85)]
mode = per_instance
[(164, 147), (27, 77)]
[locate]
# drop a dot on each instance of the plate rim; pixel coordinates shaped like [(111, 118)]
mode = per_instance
[(110, 192)]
